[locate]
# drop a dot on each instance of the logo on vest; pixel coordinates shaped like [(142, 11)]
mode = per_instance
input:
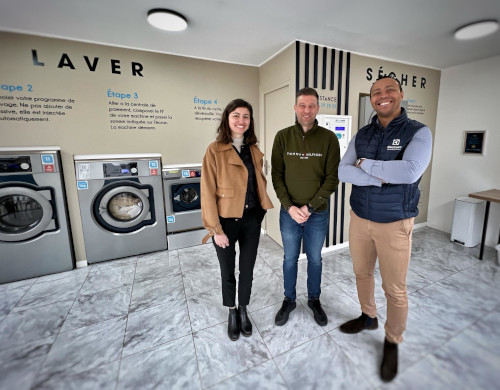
[(395, 145)]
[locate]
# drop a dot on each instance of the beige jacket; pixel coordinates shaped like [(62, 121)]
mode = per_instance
[(224, 185)]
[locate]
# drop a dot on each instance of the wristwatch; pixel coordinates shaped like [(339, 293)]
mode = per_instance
[(358, 162), (310, 208)]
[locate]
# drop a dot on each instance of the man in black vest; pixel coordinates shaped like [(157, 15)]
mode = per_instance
[(384, 162)]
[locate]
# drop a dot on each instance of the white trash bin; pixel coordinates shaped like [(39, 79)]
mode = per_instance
[(498, 253)]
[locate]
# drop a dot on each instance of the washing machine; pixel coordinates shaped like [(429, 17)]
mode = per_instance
[(35, 237), (121, 205), (183, 205)]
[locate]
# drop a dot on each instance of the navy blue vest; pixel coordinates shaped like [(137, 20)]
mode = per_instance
[(391, 202)]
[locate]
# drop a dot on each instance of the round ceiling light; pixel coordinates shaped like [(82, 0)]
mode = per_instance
[(165, 19), (477, 30)]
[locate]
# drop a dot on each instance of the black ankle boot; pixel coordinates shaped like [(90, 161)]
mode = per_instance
[(233, 327), (389, 367), (245, 324)]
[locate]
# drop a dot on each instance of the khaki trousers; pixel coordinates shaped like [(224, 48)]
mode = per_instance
[(391, 243)]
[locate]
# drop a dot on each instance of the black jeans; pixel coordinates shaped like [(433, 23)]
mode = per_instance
[(246, 231)]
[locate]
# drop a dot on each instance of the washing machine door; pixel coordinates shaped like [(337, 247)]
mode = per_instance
[(24, 213), (123, 208), (186, 197)]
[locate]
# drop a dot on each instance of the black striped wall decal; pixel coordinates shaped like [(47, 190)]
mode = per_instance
[(297, 66), (303, 64), (315, 78), (306, 66)]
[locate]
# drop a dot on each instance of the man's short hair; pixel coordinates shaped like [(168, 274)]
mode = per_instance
[(387, 76), (307, 92)]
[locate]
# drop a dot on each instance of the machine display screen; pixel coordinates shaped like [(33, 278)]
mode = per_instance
[(116, 169), (15, 164)]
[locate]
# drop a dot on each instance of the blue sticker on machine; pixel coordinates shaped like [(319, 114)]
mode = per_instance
[(170, 218), (153, 164), (47, 159), (82, 185)]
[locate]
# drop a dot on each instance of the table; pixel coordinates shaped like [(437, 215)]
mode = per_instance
[(488, 196)]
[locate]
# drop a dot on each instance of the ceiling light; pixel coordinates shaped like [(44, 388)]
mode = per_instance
[(165, 19), (477, 30)]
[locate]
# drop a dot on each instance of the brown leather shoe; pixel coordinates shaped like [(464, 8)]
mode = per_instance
[(358, 324)]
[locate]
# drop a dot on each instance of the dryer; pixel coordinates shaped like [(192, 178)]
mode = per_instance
[(183, 205), (35, 237), (121, 205)]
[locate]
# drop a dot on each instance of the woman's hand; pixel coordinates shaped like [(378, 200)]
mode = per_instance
[(221, 240)]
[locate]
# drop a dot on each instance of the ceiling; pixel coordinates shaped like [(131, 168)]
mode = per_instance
[(250, 32)]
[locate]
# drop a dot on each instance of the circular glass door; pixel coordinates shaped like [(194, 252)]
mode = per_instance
[(123, 207), (24, 213)]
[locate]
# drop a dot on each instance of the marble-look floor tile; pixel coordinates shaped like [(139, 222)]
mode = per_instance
[(76, 272), (452, 257), (301, 286), (332, 368), (155, 269), (206, 309), (484, 332), (267, 245), (156, 325), (20, 363), (46, 293), (33, 324), (102, 306), (12, 293), (429, 268), (83, 349), (349, 286), (197, 257), (266, 290), (479, 366), (260, 268), (299, 329), (433, 236), (274, 258), (415, 281), (220, 358), (338, 306), (201, 279), (264, 376), (156, 292), (101, 377), (168, 366), (113, 263), (365, 350), (164, 257), (337, 267), (109, 278)]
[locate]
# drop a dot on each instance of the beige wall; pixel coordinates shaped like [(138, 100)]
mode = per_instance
[(171, 83), (467, 101)]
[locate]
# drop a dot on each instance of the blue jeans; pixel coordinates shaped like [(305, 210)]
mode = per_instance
[(313, 232)]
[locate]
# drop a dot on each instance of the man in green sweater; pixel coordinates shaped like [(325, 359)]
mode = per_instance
[(304, 161)]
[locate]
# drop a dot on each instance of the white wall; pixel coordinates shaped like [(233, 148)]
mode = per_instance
[(468, 100)]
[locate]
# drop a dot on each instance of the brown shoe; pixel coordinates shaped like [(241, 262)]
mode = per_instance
[(358, 324), (389, 367)]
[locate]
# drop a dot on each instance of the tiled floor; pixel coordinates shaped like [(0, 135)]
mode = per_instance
[(156, 322)]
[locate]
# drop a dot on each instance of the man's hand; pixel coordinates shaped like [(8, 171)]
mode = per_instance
[(221, 240), (298, 215)]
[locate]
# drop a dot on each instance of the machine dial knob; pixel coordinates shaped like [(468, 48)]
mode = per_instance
[(133, 170), (25, 166)]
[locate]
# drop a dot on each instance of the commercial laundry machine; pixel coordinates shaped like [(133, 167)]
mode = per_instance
[(183, 205), (121, 205), (35, 237)]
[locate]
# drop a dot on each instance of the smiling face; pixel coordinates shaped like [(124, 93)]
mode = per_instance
[(385, 97), (239, 121), (306, 108)]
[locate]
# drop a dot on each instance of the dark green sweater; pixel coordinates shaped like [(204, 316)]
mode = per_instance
[(305, 166)]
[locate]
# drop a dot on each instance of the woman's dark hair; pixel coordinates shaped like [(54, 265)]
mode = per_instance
[(224, 132)]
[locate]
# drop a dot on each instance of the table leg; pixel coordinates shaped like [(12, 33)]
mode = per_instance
[(487, 211)]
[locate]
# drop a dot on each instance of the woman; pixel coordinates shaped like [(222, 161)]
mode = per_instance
[(233, 204)]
